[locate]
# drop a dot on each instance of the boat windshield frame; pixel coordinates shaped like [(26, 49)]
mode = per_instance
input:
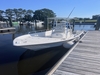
[(54, 21)]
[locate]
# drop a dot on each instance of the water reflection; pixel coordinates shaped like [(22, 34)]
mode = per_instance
[(31, 62), (24, 29), (13, 36)]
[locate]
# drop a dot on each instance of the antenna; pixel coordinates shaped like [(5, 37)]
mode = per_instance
[(70, 12)]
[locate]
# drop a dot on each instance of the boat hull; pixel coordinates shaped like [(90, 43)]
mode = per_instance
[(68, 45), (42, 46), (65, 44)]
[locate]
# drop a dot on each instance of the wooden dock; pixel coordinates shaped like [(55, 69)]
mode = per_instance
[(7, 30), (82, 59)]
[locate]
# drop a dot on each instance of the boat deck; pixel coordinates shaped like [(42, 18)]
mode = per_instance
[(82, 59)]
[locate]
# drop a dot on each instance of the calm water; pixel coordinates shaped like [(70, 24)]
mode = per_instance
[(20, 61)]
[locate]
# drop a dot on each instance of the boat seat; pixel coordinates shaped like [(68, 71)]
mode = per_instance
[(57, 35)]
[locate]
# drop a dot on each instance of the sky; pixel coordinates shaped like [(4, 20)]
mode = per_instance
[(62, 8)]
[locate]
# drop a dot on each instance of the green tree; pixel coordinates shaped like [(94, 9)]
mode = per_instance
[(29, 12), (1, 15), (16, 13), (21, 14), (95, 17), (27, 18), (9, 13), (43, 13)]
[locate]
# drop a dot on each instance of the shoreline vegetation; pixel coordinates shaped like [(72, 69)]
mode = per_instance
[(76, 22), (85, 22), (20, 16)]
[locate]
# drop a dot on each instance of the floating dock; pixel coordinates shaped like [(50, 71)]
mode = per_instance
[(7, 30), (82, 59)]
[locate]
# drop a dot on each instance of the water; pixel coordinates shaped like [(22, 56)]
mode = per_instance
[(20, 61), (84, 27)]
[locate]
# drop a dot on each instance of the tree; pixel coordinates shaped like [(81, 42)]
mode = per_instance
[(1, 12), (24, 12), (86, 18), (27, 18), (21, 14), (95, 17), (9, 13), (16, 13), (29, 12), (81, 18), (43, 13), (1, 15)]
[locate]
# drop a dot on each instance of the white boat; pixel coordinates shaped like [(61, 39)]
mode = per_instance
[(59, 35)]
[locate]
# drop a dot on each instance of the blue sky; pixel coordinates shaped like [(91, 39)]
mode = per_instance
[(62, 8)]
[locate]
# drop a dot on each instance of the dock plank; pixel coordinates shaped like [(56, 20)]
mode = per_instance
[(59, 72), (83, 59), (7, 28)]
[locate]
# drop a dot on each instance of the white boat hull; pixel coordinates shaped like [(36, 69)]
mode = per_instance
[(42, 46), (68, 44)]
